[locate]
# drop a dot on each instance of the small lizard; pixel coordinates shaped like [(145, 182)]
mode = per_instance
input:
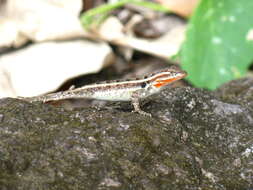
[(127, 90)]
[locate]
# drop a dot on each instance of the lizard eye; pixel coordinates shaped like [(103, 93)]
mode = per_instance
[(143, 85)]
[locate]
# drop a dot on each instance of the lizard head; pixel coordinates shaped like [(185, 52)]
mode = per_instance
[(166, 76)]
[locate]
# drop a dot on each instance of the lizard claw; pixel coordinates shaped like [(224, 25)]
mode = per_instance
[(142, 113)]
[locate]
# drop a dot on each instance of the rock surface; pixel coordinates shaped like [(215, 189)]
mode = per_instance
[(195, 140)]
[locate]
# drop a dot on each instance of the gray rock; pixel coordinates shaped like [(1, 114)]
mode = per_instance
[(195, 140)]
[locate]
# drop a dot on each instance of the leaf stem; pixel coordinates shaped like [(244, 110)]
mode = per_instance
[(89, 17)]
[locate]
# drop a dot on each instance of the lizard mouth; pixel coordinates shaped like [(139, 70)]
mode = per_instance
[(161, 83)]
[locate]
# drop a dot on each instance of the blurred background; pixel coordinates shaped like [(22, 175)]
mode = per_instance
[(50, 45)]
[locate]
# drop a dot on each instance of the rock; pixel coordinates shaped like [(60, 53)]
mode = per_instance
[(238, 91), (195, 140)]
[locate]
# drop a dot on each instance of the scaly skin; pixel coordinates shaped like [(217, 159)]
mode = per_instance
[(128, 90)]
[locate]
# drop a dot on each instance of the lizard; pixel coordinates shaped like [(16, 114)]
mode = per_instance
[(132, 90)]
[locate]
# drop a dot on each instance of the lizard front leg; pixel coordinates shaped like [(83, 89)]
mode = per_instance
[(136, 103)]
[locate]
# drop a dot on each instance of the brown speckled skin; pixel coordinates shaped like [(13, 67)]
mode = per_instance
[(126, 90)]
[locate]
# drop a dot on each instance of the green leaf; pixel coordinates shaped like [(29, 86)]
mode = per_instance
[(219, 42)]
